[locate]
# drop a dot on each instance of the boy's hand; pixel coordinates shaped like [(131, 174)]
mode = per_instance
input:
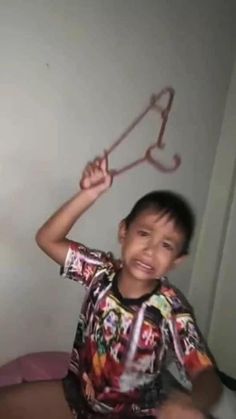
[(96, 176), (179, 406), (89, 390)]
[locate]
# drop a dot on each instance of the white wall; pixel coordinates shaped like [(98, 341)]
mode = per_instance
[(74, 73), (222, 333), (212, 289)]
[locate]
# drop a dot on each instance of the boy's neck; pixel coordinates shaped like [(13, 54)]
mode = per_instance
[(130, 287)]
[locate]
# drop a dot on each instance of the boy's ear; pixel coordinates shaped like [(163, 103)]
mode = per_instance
[(122, 231), (179, 260)]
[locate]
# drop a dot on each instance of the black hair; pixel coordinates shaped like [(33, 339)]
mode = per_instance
[(167, 203)]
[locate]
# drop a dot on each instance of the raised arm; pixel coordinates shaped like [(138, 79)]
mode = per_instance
[(52, 236)]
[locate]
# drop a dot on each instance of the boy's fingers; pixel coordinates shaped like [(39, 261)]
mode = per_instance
[(88, 169), (97, 161), (85, 174), (104, 163), (97, 172)]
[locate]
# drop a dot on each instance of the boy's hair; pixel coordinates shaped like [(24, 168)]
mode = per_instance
[(172, 204)]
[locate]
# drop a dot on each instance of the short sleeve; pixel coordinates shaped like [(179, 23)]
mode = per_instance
[(83, 264), (189, 345)]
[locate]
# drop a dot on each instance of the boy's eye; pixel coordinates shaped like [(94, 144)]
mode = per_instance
[(168, 246), (143, 233)]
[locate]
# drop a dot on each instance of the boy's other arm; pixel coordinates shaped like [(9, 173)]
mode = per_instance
[(206, 386), (52, 236), (206, 389)]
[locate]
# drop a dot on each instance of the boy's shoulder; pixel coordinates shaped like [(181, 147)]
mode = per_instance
[(169, 300), (86, 265)]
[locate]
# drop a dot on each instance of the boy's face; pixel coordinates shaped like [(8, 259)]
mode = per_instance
[(150, 246)]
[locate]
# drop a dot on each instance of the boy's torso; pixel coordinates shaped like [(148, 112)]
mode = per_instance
[(120, 345)]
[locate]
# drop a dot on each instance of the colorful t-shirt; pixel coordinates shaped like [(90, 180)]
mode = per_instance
[(121, 344)]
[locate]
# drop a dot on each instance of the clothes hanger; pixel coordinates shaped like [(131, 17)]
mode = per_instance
[(163, 111)]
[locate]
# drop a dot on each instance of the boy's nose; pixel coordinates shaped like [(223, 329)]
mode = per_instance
[(153, 244), (150, 246)]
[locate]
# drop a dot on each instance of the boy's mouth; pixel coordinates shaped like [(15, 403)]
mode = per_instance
[(144, 266)]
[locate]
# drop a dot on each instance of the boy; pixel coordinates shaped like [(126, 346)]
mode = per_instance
[(131, 316)]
